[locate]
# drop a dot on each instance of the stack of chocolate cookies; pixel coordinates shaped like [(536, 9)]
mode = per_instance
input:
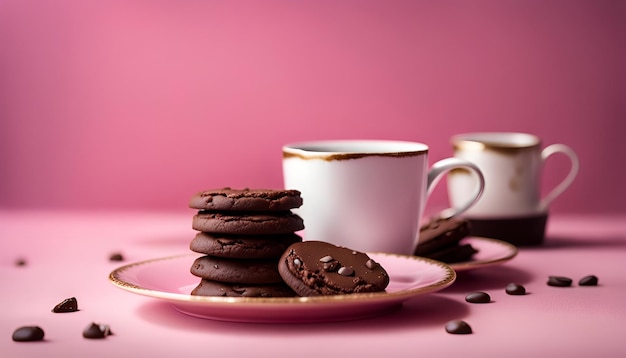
[(440, 240), (242, 234)]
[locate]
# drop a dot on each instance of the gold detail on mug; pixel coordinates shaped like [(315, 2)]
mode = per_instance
[(494, 142), (347, 156), (514, 184), (460, 171)]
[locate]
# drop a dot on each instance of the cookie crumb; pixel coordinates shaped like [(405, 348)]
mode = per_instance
[(67, 305), (97, 331)]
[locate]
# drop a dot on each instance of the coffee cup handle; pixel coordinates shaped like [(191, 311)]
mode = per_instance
[(442, 167), (567, 181)]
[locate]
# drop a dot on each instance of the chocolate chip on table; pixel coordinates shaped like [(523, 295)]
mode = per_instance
[(458, 327), (97, 331), (478, 297), (515, 289), (559, 281), (116, 256), (67, 305), (28, 334), (590, 280)]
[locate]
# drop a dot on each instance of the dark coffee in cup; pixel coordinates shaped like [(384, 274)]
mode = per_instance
[(520, 231)]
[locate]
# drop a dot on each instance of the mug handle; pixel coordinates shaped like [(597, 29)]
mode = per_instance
[(567, 181), (442, 167)]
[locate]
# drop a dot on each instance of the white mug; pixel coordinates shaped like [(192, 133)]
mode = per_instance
[(512, 164), (368, 195)]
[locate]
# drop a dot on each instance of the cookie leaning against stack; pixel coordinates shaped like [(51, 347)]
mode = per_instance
[(317, 268), (439, 240), (242, 234)]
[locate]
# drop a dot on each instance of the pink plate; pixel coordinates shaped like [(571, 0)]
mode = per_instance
[(490, 252), (169, 279)]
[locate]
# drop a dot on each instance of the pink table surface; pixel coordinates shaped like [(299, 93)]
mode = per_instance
[(67, 255)]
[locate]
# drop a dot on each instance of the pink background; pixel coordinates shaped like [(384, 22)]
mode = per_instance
[(139, 104)]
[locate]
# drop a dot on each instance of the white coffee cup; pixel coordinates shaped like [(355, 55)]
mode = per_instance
[(368, 195), (512, 164)]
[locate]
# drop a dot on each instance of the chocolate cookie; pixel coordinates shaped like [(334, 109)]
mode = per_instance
[(222, 289), (315, 268), (453, 254), (228, 199), (236, 271), (439, 234), (243, 246), (247, 223)]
